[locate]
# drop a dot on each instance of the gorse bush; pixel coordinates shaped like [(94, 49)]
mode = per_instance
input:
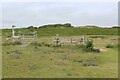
[(102, 37), (66, 25), (89, 47), (10, 43), (109, 46), (41, 44), (6, 44), (17, 43)]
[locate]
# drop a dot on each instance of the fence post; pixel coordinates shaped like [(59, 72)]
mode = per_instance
[(35, 39), (71, 40), (83, 39), (13, 34), (57, 39), (111, 40), (19, 36)]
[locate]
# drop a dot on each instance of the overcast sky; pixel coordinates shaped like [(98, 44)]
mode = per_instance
[(23, 14)]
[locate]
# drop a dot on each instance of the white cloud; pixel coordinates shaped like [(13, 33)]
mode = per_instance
[(25, 14)]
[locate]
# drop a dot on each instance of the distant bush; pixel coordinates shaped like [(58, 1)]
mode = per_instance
[(6, 44), (30, 27), (66, 25), (116, 27), (41, 44), (91, 26), (48, 45), (10, 43), (89, 47), (17, 43), (102, 37), (38, 44), (109, 46), (62, 31)]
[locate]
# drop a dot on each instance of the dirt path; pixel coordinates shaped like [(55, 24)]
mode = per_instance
[(103, 50)]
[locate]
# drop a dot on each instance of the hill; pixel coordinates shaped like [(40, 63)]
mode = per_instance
[(72, 31)]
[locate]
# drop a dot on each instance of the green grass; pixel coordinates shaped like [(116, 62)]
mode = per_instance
[(75, 31), (64, 61), (60, 62)]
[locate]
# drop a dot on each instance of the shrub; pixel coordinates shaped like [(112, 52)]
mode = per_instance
[(102, 37), (10, 43), (17, 43), (109, 46), (48, 45), (6, 44), (17, 52), (89, 45), (39, 44)]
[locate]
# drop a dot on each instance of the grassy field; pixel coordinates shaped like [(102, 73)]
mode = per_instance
[(75, 31), (61, 62)]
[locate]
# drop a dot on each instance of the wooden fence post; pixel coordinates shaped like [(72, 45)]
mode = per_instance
[(83, 39), (35, 39), (71, 40), (13, 34)]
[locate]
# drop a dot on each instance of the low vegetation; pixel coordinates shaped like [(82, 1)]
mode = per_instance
[(65, 61), (102, 37), (89, 47), (10, 43), (63, 31), (109, 46)]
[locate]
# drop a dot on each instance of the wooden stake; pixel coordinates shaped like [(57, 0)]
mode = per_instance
[(35, 39), (71, 40), (13, 34)]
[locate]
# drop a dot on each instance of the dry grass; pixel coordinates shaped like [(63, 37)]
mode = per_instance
[(59, 62)]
